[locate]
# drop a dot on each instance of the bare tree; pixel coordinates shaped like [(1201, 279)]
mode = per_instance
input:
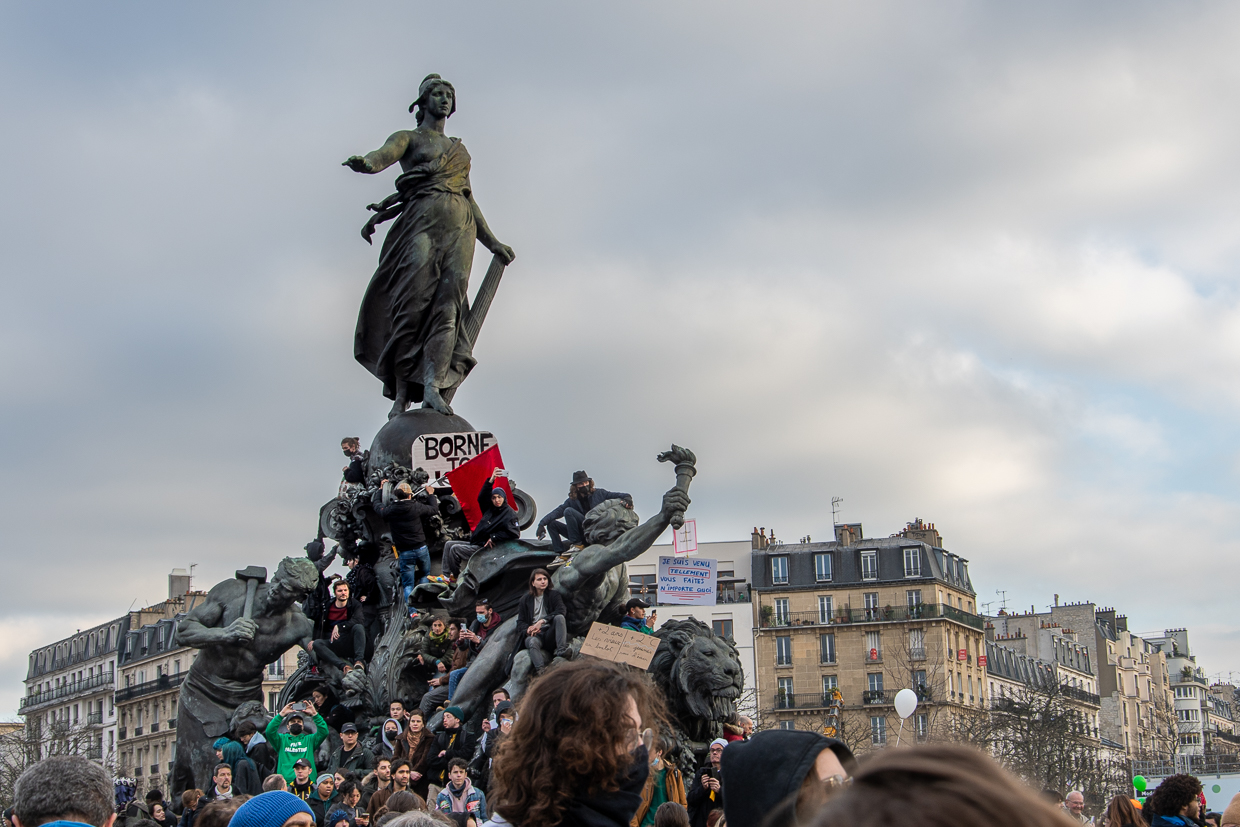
[(23, 746)]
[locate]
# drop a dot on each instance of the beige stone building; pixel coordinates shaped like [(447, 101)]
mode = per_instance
[(864, 618)]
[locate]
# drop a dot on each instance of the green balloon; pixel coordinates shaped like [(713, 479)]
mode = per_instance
[(1139, 782)]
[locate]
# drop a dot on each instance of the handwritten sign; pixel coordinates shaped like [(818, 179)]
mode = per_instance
[(437, 454), (684, 539), (687, 581), (618, 645)]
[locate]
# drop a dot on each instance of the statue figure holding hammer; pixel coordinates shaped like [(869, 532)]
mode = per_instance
[(244, 624)]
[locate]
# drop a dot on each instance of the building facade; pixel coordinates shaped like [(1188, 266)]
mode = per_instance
[(1189, 688), (69, 704), (841, 626)]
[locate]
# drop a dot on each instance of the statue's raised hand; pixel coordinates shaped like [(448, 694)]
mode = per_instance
[(674, 502), (241, 630), (357, 163)]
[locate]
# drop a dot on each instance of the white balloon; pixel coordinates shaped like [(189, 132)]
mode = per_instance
[(906, 702)]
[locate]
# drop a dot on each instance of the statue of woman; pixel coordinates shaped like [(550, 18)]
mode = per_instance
[(410, 331)]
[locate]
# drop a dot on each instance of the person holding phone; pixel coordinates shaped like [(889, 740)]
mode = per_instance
[(706, 794), (295, 744)]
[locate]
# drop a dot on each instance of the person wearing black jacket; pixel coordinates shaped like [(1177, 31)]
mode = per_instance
[(541, 614), (344, 631), (706, 791), (364, 585), (582, 496), (498, 525), (454, 741), (316, 602), (404, 516), (355, 471)]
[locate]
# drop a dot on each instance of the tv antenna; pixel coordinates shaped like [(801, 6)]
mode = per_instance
[(986, 607), (1002, 599), (835, 510)]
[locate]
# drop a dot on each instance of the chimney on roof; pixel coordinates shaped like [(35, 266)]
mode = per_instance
[(178, 583), (922, 532)]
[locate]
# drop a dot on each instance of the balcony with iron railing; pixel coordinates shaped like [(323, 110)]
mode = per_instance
[(1081, 695), (875, 697), (770, 619), (160, 684), (94, 753), (807, 700), (94, 718), (101, 680)]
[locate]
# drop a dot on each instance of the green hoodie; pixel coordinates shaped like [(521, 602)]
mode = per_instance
[(289, 748)]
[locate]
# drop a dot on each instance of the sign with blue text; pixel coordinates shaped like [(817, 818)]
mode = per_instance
[(688, 581)]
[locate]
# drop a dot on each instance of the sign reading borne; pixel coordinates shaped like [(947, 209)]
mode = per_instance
[(437, 454)]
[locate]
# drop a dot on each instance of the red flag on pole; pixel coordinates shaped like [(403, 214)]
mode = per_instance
[(467, 481)]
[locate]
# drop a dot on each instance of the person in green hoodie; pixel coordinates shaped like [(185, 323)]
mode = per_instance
[(295, 743)]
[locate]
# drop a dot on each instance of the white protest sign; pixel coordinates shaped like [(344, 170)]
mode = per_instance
[(689, 581), (684, 539), (437, 454)]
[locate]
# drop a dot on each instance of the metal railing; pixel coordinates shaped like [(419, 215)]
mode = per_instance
[(94, 753), (172, 724), (1199, 765), (808, 700), (154, 726), (121, 732), (890, 614), (67, 690), (872, 697), (137, 731), (1082, 695), (95, 718), (160, 684), (918, 653)]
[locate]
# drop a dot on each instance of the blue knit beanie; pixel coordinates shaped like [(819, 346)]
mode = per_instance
[(269, 809)]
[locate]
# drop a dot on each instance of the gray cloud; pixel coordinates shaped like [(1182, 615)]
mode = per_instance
[(971, 263)]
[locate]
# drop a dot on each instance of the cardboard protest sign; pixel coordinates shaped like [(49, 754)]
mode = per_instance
[(688, 581), (437, 454), (618, 645)]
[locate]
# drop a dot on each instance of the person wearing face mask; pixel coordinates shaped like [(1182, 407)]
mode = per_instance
[(664, 784), (471, 639), (295, 743), (392, 729), (596, 712)]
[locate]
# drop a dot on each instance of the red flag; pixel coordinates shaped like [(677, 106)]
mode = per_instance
[(467, 481)]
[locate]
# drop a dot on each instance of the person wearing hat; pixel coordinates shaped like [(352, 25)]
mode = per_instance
[(273, 809), (706, 792), (498, 525), (582, 496), (452, 742), (763, 777), (351, 755), (324, 799), (635, 619), (294, 744), (303, 785)]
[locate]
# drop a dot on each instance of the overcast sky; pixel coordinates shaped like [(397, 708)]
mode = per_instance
[(975, 263)]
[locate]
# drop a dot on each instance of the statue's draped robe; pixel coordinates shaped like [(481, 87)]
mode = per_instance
[(415, 306)]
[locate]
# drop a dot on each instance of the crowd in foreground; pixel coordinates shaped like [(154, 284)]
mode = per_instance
[(586, 747)]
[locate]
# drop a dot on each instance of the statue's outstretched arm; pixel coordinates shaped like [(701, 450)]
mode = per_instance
[(598, 559), (383, 157)]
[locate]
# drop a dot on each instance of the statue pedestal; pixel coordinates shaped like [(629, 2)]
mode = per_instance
[(394, 442)]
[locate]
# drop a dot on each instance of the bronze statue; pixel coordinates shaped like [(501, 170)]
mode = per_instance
[(414, 330)]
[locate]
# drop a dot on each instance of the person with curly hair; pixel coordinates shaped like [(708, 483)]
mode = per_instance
[(575, 755), (934, 786), (1176, 802)]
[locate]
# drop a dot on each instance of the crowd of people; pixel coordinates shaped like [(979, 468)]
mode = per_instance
[(589, 745)]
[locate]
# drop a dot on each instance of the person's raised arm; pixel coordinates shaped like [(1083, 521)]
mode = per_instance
[(598, 559), (272, 732), (383, 157)]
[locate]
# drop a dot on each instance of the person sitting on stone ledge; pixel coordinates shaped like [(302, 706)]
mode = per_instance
[(364, 586), (344, 632), (582, 496), (454, 659), (541, 618), (404, 516), (498, 524)]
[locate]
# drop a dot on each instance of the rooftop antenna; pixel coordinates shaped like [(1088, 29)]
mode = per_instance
[(835, 510), (1002, 599), (986, 607)]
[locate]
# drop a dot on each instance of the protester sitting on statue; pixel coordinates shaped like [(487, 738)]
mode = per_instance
[(576, 753), (344, 632), (541, 617), (404, 515), (316, 602), (470, 640), (296, 743), (635, 619), (355, 471), (413, 745), (453, 660), (351, 755), (498, 524), (582, 496), (453, 741), (435, 646), (364, 586)]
